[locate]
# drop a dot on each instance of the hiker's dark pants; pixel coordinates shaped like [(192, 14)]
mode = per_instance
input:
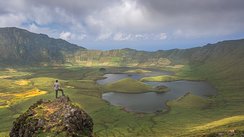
[(59, 90)]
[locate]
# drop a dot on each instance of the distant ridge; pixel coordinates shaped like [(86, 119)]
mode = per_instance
[(20, 47)]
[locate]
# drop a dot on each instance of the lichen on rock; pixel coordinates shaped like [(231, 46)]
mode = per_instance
[(53, 118)]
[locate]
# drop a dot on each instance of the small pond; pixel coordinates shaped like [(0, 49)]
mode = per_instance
[(109, 78), (150, 102)]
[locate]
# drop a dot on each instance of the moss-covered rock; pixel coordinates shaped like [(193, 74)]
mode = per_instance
[(53, 118)]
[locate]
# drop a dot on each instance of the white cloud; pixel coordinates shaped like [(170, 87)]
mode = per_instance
[(73, 37), (81, 36), (140, 36), (144, 36), (65, 35), (104, 36), (122, 37), (125, 16), (162, 36), (11, 20)]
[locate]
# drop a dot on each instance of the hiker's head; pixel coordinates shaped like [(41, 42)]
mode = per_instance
[(56, 80)]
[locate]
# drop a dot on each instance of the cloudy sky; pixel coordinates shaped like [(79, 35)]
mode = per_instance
[(139, 24)]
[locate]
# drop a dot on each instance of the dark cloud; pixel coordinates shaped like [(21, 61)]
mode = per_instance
[(106, 19), (193, 14), (178, 7), (76, 7)]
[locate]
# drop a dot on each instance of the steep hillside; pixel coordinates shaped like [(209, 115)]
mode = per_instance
[(21, 47), (121, 57), (223, 60)]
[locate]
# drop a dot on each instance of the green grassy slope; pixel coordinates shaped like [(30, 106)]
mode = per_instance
[(128, 85), (159, 78), (223, 112), (220, 64)]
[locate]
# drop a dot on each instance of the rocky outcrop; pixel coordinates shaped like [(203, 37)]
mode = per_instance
[(53, 118)]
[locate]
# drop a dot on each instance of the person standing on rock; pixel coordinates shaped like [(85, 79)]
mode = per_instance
[(58, 88)]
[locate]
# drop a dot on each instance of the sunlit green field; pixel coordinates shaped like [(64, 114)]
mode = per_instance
[(189, 116)]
